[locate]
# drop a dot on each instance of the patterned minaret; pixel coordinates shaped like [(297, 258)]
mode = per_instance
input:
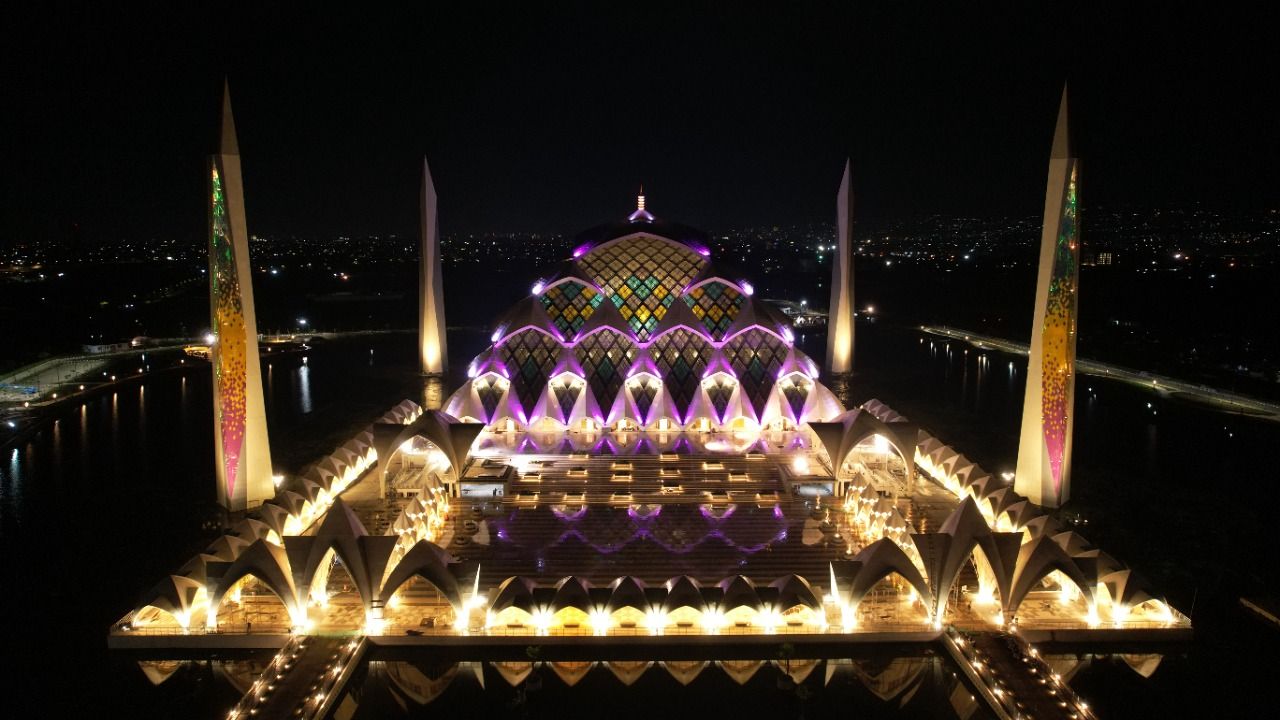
[(431, 305), (1044, 451), (239, 418), (840, 311)]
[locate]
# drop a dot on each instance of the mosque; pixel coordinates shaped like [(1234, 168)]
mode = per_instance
[(642, 451)]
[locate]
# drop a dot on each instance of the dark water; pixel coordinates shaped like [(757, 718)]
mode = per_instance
[(111, 496)]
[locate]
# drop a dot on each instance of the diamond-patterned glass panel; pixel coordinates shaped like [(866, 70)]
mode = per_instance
[(569, 305), (529, 357), (605, 357), (716, 304), (682, 356), (756, 356), (490, 394), (643, 276), (796, 390), (566, 395), (720, 392), (643, 392)]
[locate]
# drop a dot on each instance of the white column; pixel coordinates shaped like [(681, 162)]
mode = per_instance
[(431, 327), (840, 310)]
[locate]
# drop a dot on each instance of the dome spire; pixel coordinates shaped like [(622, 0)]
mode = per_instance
[(640, 215)]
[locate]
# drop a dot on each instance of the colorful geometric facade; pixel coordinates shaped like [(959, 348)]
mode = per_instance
[(643, 277), (1044, 453), (243, 466), (716, 303), (570, 304), (675, 346)]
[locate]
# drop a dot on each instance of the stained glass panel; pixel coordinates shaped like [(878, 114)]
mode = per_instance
[(569, 305), (489, 389), (682, 356), (605, 357), (644, 391), (720, 391), (716, 304), (756, 356), (529, 357), (642, 276)]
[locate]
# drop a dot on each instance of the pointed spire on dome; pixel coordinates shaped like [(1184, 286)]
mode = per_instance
[(640, 215)]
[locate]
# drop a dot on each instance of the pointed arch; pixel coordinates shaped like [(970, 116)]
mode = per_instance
[(1036, 560), (428, 561), (877, 561)]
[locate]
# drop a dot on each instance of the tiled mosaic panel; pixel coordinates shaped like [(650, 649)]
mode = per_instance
[(529, 357), (682, 356), (229, 325), (569, 305), (756, 356), (490, 394), (1058, 335), (605, 357), (716, 304), (642, 276)]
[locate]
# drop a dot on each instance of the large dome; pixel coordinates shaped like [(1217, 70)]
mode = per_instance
[(640, 330)]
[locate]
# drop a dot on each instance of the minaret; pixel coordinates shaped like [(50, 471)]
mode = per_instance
[(239, 418), (1044, 451), (431, 304), (840, 311)]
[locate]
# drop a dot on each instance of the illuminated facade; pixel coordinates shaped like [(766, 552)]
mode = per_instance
[(640, 331), (1044, 452), (640, 451), (240, 424)]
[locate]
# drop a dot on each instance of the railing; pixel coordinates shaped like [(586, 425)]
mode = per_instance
[(224, 629), (680, 631), (1035, 624)]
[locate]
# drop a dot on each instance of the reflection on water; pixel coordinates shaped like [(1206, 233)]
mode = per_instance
[(415, 683), (924, 686), (304, 387), (197, 688), (433, 393)]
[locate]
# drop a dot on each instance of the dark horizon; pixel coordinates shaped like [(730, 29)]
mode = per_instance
[(549, 119)]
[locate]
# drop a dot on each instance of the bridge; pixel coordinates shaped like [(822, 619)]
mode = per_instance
[(1222, 400)]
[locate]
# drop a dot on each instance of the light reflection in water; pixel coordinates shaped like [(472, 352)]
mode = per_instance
[(304, 388), (142, 414), (56, 442)]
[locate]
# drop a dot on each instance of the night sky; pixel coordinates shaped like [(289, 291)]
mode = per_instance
[(540, 118)]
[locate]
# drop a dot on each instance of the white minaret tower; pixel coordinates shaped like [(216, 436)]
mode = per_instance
[(1044, 451), (840, 310), (239, 417), (431, 305)]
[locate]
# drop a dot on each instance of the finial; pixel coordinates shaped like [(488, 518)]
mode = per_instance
[(640, 215)]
